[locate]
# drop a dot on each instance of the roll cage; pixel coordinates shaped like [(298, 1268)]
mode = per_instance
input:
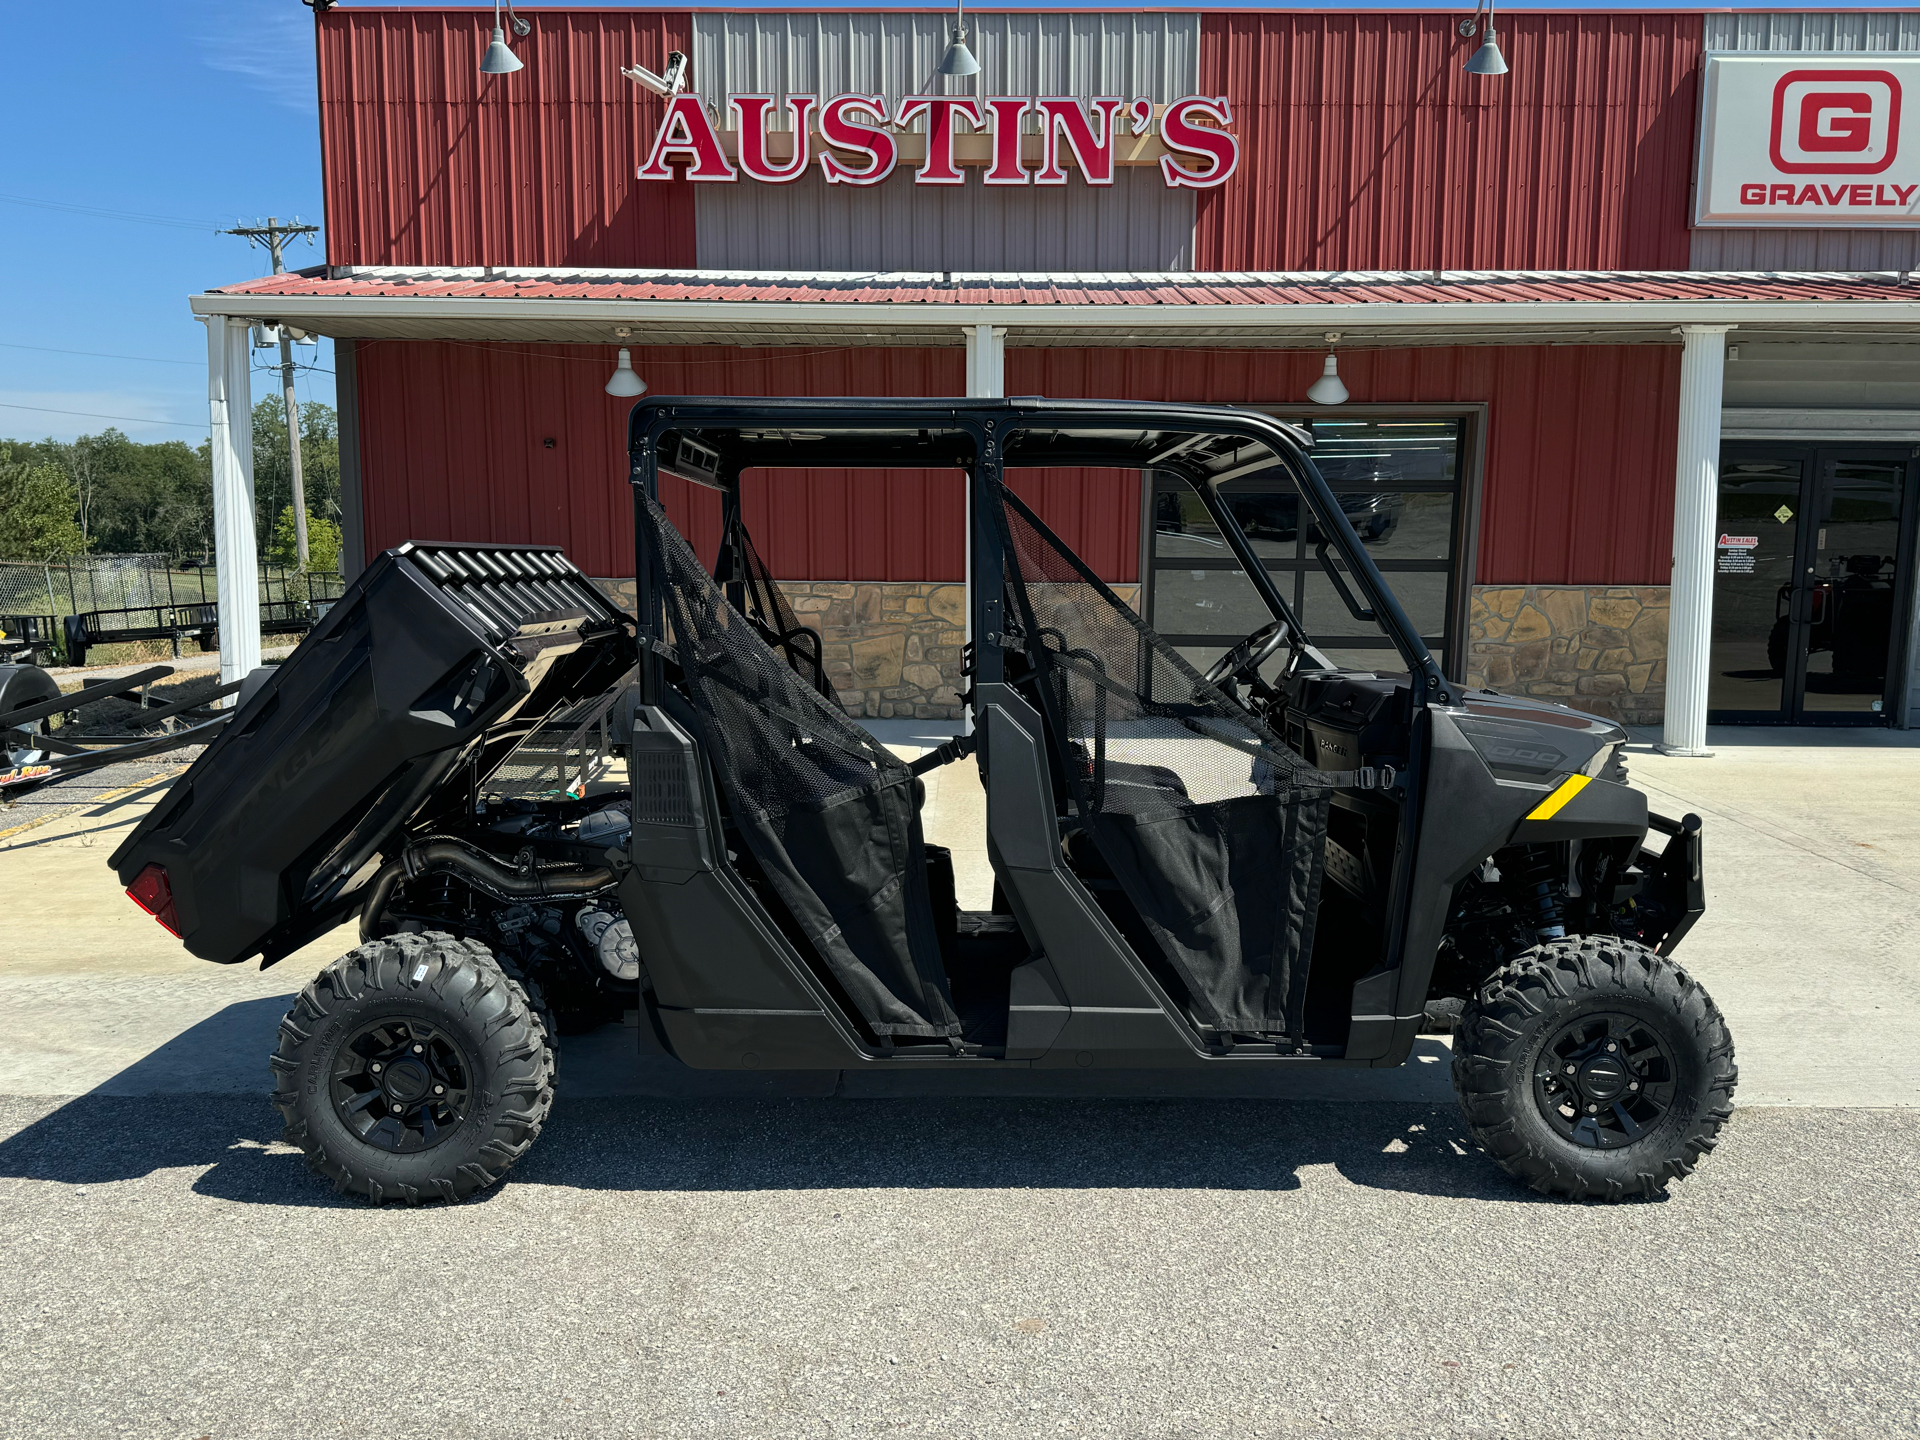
[(712, 442)]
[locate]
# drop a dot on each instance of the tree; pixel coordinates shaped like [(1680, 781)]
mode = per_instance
[(131, 497), (273, 468), (37, 512), (323, 544)]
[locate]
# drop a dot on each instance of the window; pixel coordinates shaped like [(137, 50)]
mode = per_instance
[(1398, 480)]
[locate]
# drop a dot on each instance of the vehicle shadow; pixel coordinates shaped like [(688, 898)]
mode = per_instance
[(197, 1105), (649, 1145)]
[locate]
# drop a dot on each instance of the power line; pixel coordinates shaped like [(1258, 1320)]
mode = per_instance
[(172, 221), (97, 415), (275, 236), (98, 354)]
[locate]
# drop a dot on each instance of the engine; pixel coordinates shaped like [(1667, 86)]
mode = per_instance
[(530, 880)]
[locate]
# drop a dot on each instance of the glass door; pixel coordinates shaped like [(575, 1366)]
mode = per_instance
[(1755, 548), (1851, 580), (1811, 563)]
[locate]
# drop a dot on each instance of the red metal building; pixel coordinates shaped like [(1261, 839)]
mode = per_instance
[(1508, 263)]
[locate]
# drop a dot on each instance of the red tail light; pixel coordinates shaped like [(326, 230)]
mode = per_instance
[(153, 893)]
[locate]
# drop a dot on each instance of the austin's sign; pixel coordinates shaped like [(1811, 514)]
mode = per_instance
[(861, 140), (1809, 140)]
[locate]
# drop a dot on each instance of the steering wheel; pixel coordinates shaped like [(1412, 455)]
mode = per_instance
[(1244, 661)]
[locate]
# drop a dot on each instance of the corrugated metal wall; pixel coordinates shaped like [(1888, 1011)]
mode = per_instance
[(1138, 224), (1832, 30), (455, 448), (425, 161), (1578, 481), (1365, 146), (1887, 31)]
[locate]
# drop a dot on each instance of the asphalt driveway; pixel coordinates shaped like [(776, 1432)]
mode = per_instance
[(958, 1267), (768, 1263)]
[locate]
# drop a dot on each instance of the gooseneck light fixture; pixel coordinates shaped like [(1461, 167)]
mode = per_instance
[(959, 60), (623, 381), (1488, 59), (1328, 390), (499, 60)]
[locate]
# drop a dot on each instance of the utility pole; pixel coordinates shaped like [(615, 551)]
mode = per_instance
[(275, 236)]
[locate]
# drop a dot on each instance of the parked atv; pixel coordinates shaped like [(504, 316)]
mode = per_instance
[(1851, 613), (543, 811)]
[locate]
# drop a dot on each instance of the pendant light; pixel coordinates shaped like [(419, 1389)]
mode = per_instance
[(959, 60), (499, 60), (623, 381), (1488, 60), (1328, 390)]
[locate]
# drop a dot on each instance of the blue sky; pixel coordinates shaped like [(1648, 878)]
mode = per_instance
[(178, 119), (201, 113)]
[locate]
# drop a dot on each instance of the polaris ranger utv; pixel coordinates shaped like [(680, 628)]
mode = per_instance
[(1271, 862)]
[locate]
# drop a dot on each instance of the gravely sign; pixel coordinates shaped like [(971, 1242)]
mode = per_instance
[(1809, 140), (856, 140)]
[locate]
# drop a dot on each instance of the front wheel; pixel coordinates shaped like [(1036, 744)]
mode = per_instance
[(1593, 1068), (413, 1068)]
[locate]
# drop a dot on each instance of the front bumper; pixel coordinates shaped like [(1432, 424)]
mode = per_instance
[(1674, 876)]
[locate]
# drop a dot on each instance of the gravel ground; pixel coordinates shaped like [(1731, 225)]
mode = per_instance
[(952, 1268)]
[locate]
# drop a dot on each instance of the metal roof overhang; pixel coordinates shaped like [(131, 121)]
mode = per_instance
[(592, 321)]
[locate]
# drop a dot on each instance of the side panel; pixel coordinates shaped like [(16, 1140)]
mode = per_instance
[(1466, 815), (1113, 1013), (729, 991)]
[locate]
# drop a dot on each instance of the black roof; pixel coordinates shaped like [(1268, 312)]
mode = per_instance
[(1205, 441)]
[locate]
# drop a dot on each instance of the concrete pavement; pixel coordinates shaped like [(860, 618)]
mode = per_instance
[(1808, 946)]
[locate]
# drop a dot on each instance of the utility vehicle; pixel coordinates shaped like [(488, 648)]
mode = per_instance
[(1265, 861), (1851, 613)]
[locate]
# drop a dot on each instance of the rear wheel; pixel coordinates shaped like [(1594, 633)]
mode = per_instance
[(413, 1068), (1593, 1068)]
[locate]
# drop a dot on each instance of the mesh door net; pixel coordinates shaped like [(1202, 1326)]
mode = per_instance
[(1213, 828), (764, 605), (828, 812)]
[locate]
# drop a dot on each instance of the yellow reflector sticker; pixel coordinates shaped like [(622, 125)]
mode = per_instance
[(1563, 793)]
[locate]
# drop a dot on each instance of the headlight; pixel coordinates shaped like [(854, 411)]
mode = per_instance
[(1599, 760)]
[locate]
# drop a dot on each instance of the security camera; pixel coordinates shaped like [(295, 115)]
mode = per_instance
[(670, 84)]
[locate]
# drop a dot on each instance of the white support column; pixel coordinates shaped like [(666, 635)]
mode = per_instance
[(230, 437), (987, 354), (985, 379), (1697, 472)]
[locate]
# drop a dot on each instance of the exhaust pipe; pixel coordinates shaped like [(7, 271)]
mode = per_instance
[(551, 882)]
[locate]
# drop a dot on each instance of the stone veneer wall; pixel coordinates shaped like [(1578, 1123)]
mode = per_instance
[(892, 648), (1600, 649)]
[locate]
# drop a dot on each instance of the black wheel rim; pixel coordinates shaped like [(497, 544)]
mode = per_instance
[(401, 1084), (1605, 1081)]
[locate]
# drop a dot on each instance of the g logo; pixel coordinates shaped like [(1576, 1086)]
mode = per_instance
[(1835, 122)]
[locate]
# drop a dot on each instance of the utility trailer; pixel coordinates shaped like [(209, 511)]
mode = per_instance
[(38, 749), (1269, 861)]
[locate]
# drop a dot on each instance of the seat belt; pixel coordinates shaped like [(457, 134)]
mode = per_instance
[(953, 750)]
